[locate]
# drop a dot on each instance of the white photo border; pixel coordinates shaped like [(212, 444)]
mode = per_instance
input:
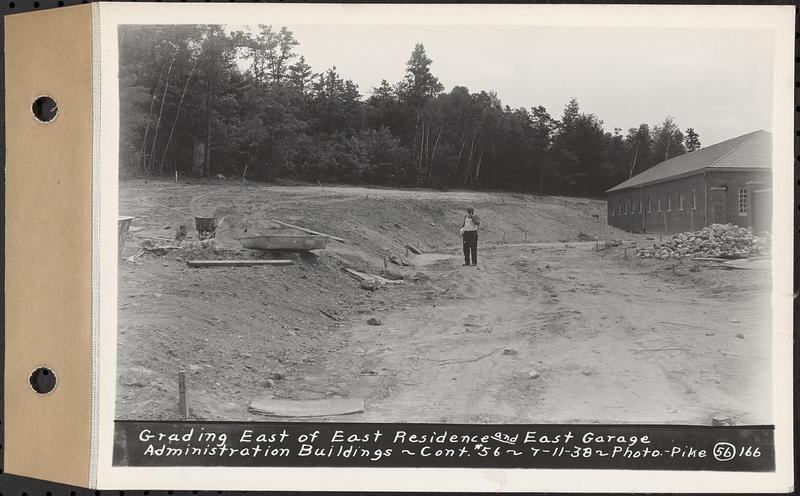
[(108, 16)]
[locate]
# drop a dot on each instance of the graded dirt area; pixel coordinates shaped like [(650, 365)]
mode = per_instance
[(546, 329)]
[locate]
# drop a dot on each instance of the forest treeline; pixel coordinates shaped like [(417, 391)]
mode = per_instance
[(204, 100)]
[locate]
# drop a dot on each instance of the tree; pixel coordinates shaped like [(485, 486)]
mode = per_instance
[(578, 147), (691, 140), (419, 84), (613, 166), (417, 89), (638, 146), (202, 100), (269, 52), (300, 75), (336, 103), (543, 127), (278, 59), (571, 114), (667, 141), (218, 54)]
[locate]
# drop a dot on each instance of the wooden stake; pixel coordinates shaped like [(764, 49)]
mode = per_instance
[(183, 402)]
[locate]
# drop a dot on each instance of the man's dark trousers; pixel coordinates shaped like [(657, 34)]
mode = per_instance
[(471, 246)]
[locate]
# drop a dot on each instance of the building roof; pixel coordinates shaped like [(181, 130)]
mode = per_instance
[(749, 151)]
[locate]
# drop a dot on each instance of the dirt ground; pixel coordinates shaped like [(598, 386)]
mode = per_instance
[(545, 329)]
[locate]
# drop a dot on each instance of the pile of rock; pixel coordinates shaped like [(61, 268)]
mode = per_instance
[(716, 240)]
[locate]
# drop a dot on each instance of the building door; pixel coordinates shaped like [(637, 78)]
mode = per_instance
[(718, 203), (761, 210)]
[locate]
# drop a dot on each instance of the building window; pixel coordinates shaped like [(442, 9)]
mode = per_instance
[(669, 203), (682, 200), (640, 206), (649, 205), (694, 200), (619, 208), (742, 201), (658, 204)]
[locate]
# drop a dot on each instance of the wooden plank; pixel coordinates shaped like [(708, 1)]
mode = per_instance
[(236, 263), (413, 250), (366, 277), (159, 238), (358, 275), (307, 408), (309, 231)]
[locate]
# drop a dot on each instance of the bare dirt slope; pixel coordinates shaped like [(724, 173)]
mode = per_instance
[(551, 332)]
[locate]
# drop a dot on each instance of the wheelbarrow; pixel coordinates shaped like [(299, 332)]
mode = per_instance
[(207, 227)]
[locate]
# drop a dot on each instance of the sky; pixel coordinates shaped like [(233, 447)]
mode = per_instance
[(717, 81)]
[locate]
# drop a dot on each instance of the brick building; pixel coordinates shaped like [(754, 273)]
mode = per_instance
[(730, 182)]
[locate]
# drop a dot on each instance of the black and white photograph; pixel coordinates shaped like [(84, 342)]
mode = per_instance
[(446, 224)]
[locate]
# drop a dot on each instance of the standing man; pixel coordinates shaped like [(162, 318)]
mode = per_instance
[(469, 233)]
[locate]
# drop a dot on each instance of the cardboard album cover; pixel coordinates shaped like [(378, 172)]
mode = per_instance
[(400, 247)]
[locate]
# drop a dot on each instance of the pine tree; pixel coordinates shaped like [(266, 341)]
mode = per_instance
[(419, 85), (300, 75), (692, 140)]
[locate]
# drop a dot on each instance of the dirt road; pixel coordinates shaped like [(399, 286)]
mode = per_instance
[(549, 332), (563, 335)]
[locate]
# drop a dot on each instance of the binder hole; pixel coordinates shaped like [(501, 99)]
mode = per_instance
[(45, 109), (11, 5), (35, 5), (43, 380)]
